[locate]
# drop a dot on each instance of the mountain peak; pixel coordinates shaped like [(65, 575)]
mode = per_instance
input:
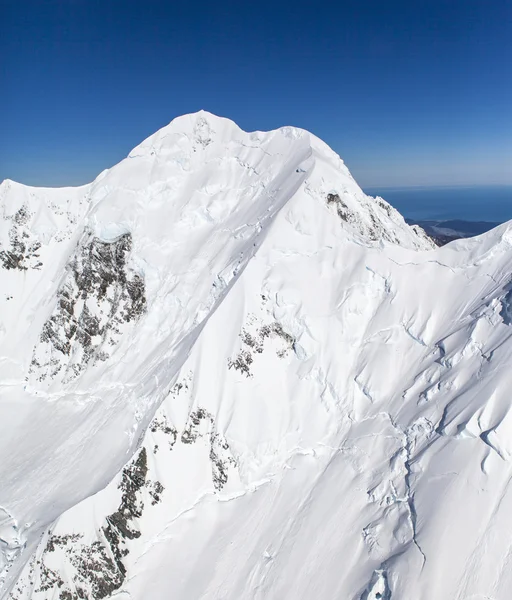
[(200, 127), (223, 349)]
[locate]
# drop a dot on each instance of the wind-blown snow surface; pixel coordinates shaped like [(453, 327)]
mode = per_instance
[(227, 373)]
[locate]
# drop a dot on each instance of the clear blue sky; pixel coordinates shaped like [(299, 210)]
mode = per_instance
[(407, 92)]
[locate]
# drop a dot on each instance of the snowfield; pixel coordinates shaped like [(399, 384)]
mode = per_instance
[(226, 373)]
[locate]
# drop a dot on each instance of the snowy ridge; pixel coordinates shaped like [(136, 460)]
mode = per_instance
[(240, 377)]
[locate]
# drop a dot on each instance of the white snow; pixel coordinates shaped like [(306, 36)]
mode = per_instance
[(311, 402)]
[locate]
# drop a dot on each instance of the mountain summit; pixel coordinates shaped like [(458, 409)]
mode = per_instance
[(227, 373)]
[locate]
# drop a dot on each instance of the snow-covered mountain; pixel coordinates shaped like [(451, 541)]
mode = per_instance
[(226, 373)]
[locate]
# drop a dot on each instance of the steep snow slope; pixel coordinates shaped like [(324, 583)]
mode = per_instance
[(285, 390)]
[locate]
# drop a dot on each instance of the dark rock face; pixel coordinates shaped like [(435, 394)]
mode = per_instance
[(23, 252), (221, 460), (161, 424), (341, 207), (97, 569), (120, 525), (99, 295), (68, 567), (96, 575), (374, 231), (254, 344), (201, 424), (192, 430)]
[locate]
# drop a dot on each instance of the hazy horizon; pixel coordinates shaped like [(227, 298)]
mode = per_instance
[(487, 203)]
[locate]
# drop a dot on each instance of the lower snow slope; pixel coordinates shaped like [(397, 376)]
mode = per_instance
[(308, 400)]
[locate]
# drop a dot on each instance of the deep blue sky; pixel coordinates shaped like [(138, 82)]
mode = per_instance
[(408, 92)]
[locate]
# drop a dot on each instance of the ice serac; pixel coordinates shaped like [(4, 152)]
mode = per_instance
[(226, 372)]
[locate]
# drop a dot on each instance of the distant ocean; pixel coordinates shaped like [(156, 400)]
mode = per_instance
[(476, 203)]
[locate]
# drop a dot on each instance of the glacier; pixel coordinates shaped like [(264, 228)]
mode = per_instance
[(227, 373)]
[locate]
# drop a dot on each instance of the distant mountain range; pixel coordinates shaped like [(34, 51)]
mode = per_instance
[(443, 232)]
